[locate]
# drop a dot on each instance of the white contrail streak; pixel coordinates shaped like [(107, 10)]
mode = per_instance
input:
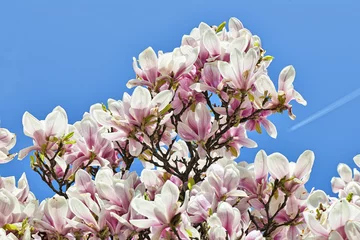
[(338, 103)]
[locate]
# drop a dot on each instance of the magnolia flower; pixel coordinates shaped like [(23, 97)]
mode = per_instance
[(17, 204), (149, 69), (254, 124), (197, 126), (117, 189), (53, 216), (55, 125), (285, 93), (9, 206), (342, 222), (237, 138), (91, 145), (161, 212), (141, 113), (347, 182), (7, 142), (224, 182), (240, 72), (211, 77), (173, 65), (279, 168), (226, 220)]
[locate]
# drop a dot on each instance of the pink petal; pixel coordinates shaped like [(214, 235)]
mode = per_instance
[(58, 209), (24, 152), (269, 127), (149, 63), (186, 133), (135, 147), (286, 78), (203, 119)]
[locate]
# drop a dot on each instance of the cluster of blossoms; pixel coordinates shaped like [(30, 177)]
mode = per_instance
[(186, 121)]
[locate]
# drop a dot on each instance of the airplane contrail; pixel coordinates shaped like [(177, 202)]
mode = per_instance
[(338, 103)]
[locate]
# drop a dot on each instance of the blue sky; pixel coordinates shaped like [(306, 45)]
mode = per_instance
[(77, 53)]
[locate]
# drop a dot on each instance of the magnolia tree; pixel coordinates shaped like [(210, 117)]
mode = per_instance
[(186, 121)]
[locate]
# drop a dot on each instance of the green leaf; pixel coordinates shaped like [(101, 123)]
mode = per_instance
[(192, 107), (67, 137), (92, 156), (233, 151), (32, 160), (210, 211), (166, 109), (251, 97), (103, 107), (258, 128), (148, 119), (276, 194), (146, 197), (10, 227), (282, 99), (188, 232), (268, 58), (220, 27), (53, 139), (191, 183)]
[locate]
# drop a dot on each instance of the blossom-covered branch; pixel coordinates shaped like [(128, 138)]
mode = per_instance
[(186, 121)]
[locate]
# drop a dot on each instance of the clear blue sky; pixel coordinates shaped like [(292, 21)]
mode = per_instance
[(77, 53)]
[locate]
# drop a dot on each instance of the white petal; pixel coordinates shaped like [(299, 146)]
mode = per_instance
[(278, 165), (334, 235), (226, 70), (357, 160), (31, 124), (339, 214), (299, 98), (344, 172), (316, 198), (148, 59), (81, 211), (140, 98), (315, 225), (144, 207), (162, 99), (260, 165), (304, 164), (352, 230), (235, 25), (263, 84), (211, 42)]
